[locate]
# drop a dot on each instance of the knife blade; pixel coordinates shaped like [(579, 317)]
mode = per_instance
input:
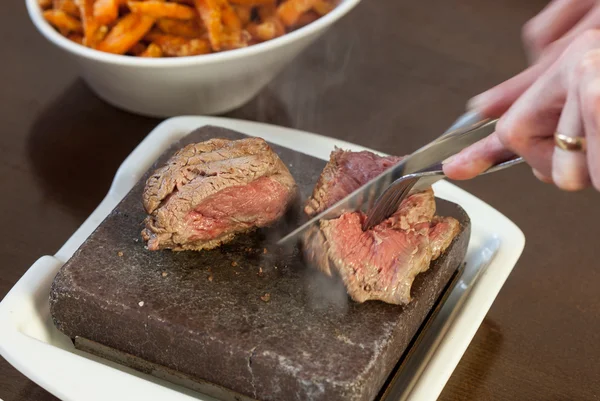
[(467, 130)]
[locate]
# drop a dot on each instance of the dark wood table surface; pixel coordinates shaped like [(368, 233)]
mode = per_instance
[(391, 75)]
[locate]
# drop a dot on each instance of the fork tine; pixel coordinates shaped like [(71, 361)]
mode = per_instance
[(393, 206), (389, 203), (389, 206), (378, 212), (378, 188)]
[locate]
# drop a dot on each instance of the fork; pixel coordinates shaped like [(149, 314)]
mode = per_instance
[(400, 189)]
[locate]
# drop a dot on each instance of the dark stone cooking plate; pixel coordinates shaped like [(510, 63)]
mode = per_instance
[(200, 315)]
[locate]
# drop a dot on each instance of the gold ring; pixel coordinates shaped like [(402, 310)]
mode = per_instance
[(570, 143)]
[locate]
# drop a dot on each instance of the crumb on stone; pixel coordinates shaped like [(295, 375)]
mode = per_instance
[(141, 303), (120, 254), (210, 278), (260, 272), (266, 297), (264, 250), (234, 264), (164, 274)]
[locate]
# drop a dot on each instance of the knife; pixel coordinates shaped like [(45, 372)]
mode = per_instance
[(467, 130)]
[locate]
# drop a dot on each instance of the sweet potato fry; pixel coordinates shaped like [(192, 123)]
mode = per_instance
[(106, 11), (63, 21), (159, 9), (234, 36), (223, 24), (210, 13), (68, 6), (188, 2), (290, 11), (91, 27), (45, 4), (267, 11), (230, 19), (137, 49), (181, 27), (323, 7), (251, 3), (126, 33), (267, 30), (188, 29), (153, 50), (179, 46), (75, 37), (244, 13), (305, 19)]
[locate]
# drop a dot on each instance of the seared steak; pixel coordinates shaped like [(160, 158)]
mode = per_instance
[(346, 172), (381, 263), (211, 191)]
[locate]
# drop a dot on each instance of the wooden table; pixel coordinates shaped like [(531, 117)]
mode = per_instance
[(392, 75)]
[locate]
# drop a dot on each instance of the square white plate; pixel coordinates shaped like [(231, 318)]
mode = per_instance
[(31, 343)]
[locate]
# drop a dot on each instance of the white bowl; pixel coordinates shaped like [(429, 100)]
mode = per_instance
[(206, 84)]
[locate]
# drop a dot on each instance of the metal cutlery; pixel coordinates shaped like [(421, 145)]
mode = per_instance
[(390, 200), (467, 130)]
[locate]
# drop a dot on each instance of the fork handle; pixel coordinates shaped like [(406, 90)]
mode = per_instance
[(504, 165), (439, 167)]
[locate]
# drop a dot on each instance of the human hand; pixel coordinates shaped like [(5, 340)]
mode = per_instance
[(559, 93)]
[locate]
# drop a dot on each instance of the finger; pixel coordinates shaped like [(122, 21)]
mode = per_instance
[(569, 169), (497, 100), (528, 127), (589, 22), (477, 158), (589, 98), (542, 177), (555, 20)]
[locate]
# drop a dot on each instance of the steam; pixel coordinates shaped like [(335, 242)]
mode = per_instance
[(326, 293)]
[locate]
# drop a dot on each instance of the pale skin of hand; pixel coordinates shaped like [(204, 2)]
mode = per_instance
[(559, 92)]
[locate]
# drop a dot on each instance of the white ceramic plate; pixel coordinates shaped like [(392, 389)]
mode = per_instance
[(30, 342)]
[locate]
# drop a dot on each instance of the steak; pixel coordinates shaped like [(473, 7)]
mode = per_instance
[(380, 263), (209, 192), (346, 172)]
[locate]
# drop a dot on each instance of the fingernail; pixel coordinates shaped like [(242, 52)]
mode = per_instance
[(478, 102), (449, 160)]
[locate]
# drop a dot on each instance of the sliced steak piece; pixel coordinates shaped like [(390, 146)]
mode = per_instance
[(211, 191), (381, 263), (346, 172)]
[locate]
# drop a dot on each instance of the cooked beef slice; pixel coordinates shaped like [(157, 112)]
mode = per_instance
[(380, 263), (346, 172), (209, 192)]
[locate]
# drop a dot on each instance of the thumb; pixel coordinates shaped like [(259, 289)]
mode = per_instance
[(477, 158)]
